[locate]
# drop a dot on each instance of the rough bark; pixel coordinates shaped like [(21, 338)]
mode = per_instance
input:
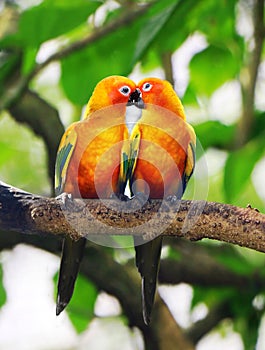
[(25, 213)]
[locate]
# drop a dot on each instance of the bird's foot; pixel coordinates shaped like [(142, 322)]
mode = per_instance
[(142, 198), (120, 196), (65, 199), (172, 199)]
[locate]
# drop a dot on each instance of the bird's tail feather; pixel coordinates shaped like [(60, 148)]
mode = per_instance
[(72, 254), (147, 262)]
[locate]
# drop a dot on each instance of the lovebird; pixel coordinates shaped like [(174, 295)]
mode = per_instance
[(88, 164), (162, 159)]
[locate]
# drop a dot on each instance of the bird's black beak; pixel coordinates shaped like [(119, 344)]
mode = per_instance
[(136, 99)]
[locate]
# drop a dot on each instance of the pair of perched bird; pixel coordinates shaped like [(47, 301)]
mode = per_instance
[(151, 151)]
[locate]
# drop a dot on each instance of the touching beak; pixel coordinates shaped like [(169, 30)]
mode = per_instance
[(136, 99)]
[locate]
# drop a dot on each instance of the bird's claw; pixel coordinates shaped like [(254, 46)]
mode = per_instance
[(172, 199), (120, 196), (65, 198), (142, 198)]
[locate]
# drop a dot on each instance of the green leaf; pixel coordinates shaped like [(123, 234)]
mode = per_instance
[(81, 307), (214, 134), (82, 70), (216, 20), (211, 68), (150, 61), (6, 153), (29, 56), (174, 254), (8, 61), (157, 18), (164, 17), (177, 29), (229, 257), (2, 289), (210, 296), (246, 318), (21, 150), (53, 18), (258, 124), (239, 166), (190, 97)]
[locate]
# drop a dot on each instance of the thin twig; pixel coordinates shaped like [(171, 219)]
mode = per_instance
[(249, 75), (20, 85), (168, 67)]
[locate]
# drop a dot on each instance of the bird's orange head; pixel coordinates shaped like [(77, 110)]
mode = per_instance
[(160, 92), (110, 91)]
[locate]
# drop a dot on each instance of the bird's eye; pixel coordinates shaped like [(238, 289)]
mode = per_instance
[(125, 90), (147, 87)]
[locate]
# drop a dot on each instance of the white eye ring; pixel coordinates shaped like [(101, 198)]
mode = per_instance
[(147, 87), (125, 90)]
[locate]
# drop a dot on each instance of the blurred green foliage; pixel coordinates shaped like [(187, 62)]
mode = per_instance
[(81, 308), (143, 41), (2, 290)]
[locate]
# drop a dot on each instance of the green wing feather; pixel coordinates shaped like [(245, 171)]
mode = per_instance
[(190, 160), (129, 156), (64, 154), (124, 167), (72, 251)]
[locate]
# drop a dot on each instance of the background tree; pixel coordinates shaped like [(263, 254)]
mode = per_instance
[(53, 54)]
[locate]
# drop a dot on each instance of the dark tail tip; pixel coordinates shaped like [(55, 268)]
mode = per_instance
[(146, 317), (60, 306), (148, 294)]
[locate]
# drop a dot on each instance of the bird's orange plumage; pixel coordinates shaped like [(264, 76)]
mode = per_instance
[(88, 164), (93, 169), (164, 140), (165, 161)]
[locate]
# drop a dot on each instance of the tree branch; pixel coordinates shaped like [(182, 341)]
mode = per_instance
[(249, 74), (126, 19), (23, 212), (170, 336), (204, 326), (196, 272), (167, 65)]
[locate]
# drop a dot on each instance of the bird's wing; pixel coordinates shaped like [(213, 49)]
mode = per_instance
[(190, 160), (64, 154), (129, 156), (72, 251)]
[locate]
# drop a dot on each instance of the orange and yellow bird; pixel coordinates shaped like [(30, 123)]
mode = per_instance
[(163, 158), (88, 164)]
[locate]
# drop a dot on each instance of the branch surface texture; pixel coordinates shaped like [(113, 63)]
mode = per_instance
[(26, 213)]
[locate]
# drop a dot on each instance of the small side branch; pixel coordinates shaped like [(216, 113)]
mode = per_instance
[(126, 19), (249, 75), (26, 213), (20, 84), (204, 326)]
